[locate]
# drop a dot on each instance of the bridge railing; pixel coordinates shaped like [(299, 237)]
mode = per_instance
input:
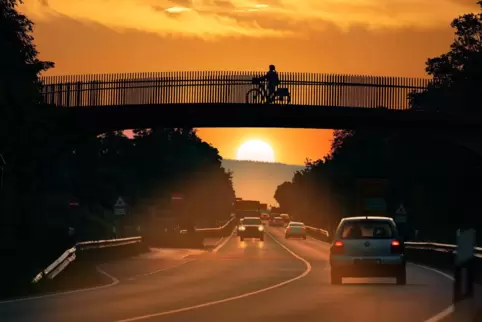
[(227, 87)]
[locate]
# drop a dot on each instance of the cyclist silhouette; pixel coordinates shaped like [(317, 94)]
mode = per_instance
[(272, 79)]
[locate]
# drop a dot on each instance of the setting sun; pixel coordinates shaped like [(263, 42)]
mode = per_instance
[(255, 150)]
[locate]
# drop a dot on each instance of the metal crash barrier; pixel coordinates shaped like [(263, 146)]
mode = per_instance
[(70, 255)]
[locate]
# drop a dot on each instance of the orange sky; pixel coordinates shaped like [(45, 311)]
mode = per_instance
[(376, 37)]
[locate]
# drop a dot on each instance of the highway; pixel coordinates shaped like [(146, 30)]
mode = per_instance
[(275, 280)]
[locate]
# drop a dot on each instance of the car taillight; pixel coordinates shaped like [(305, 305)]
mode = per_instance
[(337, 248), (396, 247)]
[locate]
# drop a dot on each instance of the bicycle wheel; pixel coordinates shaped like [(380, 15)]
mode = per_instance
[(255, 96), (283, 100)]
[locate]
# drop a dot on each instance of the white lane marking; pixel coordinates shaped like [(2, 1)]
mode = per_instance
[(434, 270), (306, 272), (132, 278), (448, 310), (442, 314), (323, 242), (219, 241), (114, 280), (215, 250)]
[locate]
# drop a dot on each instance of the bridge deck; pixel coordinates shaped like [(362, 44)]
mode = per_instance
[(108, 118)]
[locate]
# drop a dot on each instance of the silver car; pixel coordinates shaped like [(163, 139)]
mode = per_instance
[(367, 247), (295, 229)]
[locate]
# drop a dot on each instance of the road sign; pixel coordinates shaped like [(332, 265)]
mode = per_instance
[(120, 203), (73, 203), (401, 215), (465, 246), (120, 207), (401, 210), (120, 211), (375, 204), (401, 219)]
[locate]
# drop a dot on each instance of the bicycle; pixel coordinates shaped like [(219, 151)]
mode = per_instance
[(260, 95)]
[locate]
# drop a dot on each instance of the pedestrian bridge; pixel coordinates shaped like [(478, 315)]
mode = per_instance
[(168, 88), (109, 102)]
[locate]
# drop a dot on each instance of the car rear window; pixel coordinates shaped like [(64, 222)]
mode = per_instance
[(251, 221), (363, 229), (297, 225)]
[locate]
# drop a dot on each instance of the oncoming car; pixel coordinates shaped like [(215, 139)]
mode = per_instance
[(367, 247), (295, 229), (251, 227)]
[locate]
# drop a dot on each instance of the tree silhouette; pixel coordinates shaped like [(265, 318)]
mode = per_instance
[(438, 183), (43, 173), (24, 120), (26, 126), (456, 75)]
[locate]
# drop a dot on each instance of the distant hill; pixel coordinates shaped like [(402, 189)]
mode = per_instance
[(258, 180)]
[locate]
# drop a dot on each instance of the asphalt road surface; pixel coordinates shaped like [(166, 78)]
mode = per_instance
[(275, 280)]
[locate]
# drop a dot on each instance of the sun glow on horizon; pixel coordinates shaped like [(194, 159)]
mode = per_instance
[(255, 150)]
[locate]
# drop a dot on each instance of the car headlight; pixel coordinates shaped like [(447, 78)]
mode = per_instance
[(242, 228), (260, 228)]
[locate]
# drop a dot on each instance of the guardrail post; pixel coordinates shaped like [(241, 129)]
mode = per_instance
[(464, 276)]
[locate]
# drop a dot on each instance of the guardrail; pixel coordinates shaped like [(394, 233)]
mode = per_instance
[(437, 255), (439, 247), (314, 230), (224, 229), (71, 254)]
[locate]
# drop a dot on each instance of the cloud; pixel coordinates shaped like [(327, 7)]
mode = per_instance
[(252, 18)]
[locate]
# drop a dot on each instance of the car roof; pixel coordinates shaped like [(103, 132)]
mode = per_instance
[(296, 222), (250, 217), (278, 217), (361, 218)]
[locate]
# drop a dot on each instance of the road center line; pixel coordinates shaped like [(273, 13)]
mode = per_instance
[(132, 278), (229, 299), (218, 247)]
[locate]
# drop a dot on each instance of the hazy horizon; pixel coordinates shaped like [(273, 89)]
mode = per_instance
[(255, 180)]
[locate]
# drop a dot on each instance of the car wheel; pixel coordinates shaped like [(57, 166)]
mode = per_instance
[(261, 238), (335, 278), (402, 276), (241, 238)]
